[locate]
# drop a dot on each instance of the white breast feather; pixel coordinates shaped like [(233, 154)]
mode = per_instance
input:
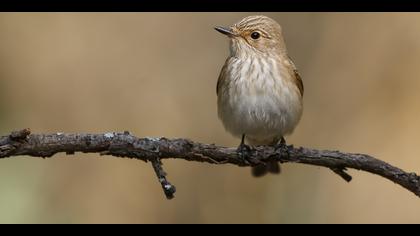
[(257, 104)]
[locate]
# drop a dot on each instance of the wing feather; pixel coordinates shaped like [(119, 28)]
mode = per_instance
[(222, 76), (298, 79)]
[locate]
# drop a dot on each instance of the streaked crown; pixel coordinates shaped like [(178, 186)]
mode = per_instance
[(265, 25), (259, 32)]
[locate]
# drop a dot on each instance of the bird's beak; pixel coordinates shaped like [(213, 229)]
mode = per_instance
[(226, 31)]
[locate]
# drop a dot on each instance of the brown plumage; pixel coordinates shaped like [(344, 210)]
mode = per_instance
[(259, 89)]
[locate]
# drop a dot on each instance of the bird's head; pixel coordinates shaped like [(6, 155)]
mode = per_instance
[(254, 34)]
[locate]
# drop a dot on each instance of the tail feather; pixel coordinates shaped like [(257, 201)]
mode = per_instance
[(274, 167), (269, 167), (261, 170)]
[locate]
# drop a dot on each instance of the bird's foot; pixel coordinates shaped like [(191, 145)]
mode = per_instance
[(282, 148), (244, 152)]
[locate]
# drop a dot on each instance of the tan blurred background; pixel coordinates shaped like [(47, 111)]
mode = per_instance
[(155, 75)]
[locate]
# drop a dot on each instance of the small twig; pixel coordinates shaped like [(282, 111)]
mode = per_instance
[(154, 149), (167, 187), (342, 172)]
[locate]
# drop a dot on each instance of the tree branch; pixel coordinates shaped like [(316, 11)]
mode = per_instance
[(20, 143)]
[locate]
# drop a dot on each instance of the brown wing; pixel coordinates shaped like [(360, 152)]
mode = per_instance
[(221, 76), (298, 81)]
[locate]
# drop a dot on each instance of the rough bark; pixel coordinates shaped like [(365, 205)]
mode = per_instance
[(22, 142)]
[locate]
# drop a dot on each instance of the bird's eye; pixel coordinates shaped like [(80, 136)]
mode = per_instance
[(255, 35)]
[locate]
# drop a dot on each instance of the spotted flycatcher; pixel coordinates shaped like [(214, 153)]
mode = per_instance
[(259, 91)]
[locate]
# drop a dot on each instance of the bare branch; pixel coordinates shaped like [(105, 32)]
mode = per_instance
[(167, 187), (20, 143)]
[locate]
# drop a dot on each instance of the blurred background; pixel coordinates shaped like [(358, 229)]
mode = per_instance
[(155, 74)]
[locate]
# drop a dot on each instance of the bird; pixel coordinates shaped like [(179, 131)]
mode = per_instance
[(259, 89)]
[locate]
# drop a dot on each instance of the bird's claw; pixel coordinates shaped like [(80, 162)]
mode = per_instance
[(244, 153), (282, 148)]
